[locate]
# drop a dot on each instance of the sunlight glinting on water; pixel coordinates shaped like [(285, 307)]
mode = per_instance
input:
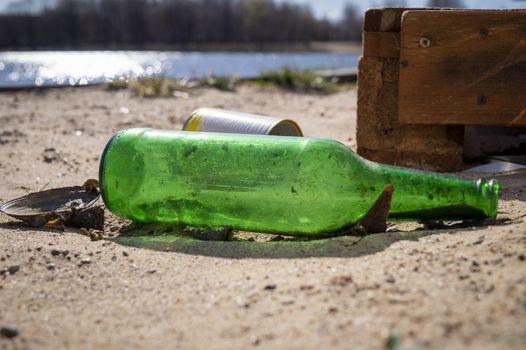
[(50, 68), (77, 68)]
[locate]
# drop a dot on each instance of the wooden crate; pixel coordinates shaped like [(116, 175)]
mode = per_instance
[(424, 74)]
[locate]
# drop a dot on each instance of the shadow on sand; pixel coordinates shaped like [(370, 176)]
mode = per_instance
[(338, 247)]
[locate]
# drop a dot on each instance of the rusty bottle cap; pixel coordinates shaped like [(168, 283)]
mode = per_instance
[(38, 208)]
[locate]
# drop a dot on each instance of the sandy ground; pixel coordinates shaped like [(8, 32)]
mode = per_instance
[(454, 288)]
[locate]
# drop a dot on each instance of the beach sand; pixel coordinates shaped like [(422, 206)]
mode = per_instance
[(451, 288)]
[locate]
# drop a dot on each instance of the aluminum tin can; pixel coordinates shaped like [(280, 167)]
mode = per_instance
[(220, 120)]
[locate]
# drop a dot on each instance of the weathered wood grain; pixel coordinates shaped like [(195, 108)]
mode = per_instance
[(381, 44), (463, 67), (380, 137), (383, 19)]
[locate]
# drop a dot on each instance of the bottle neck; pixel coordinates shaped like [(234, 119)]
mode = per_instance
[(430, 196)]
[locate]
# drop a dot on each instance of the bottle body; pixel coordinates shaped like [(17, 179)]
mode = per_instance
[(289, 185)]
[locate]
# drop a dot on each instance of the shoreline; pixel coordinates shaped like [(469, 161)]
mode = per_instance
[(342, 74)]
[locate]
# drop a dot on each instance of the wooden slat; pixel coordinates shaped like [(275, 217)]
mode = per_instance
[(382, 139), (381, 44), (383, 20), (463, 67)]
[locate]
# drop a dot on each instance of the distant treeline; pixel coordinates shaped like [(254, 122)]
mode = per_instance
[(139, 24)]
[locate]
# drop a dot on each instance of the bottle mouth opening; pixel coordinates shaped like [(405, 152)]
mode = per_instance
[(490, 190), (490, 187)]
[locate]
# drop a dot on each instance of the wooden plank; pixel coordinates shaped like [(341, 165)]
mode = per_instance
[(463, 67), (381, 44), (383, 19), (382, 139)]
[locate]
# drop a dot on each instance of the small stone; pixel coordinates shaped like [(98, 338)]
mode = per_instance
[(242, 303), (94, 236), (390, 279), (475, 266), (50, 266), (333, 310), (479, 241), (85, 261), (91, 218), (522, 257), (341, 281), (13, 269), (255, 340), (50, 155), (9, 331), (270, 286), (55, 252)]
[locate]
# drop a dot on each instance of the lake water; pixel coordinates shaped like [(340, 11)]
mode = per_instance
[(52, 68)]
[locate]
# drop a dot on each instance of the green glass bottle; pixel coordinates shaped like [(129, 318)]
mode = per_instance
[(276, 184)]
